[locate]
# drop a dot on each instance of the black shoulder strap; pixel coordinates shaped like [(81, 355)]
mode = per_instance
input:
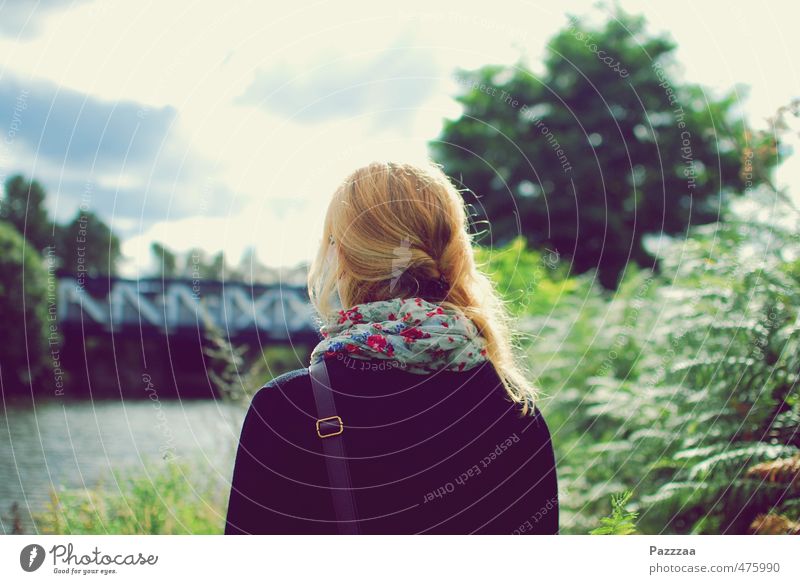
[(330, 429)]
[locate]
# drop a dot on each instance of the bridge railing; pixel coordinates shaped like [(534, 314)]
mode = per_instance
[(172, 306)]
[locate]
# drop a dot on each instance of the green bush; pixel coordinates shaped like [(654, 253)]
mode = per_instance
[(531, 282), (682, 386)]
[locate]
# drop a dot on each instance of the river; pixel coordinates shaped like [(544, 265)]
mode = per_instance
[(54, 445)]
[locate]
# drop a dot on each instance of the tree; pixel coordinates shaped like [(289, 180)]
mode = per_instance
[(87, 245), (23, 311), (218, 268), (166, 260), (251, 270), (198, 265), (23, 207), (604, 147)]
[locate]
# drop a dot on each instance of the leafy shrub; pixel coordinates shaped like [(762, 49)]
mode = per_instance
[(682, 385)]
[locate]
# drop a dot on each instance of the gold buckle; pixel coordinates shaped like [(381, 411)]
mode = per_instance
[(341, 427)]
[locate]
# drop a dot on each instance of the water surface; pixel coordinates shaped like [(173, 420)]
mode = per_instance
[(69, 445)]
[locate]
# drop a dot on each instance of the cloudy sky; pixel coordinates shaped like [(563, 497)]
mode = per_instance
[(227, 125)]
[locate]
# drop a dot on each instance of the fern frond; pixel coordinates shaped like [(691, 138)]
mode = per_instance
[(785, 471), (774, 524)]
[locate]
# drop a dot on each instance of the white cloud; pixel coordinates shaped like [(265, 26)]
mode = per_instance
[(280, 164)]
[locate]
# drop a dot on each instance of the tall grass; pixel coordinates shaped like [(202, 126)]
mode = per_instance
[(166, 498)]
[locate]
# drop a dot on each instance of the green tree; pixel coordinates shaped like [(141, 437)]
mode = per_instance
[(23, 311), (23, 206), (604, 147), (167, 261), (218, 268), (197, 264), (87, 245)]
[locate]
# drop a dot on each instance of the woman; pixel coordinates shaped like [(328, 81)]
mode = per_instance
[(436, 429)]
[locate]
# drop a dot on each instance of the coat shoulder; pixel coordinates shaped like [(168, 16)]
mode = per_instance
[(288, 382)]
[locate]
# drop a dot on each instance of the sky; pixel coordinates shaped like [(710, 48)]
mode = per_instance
[(227, 125)]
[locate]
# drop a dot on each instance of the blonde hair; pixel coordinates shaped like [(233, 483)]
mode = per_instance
[(386, 214)]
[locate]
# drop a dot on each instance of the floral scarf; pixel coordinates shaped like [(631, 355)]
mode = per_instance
[(410, 333)]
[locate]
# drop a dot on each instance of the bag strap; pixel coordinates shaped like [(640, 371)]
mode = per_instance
[(329, 430)]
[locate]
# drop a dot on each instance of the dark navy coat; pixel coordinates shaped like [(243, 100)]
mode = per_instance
[(443, 453)]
